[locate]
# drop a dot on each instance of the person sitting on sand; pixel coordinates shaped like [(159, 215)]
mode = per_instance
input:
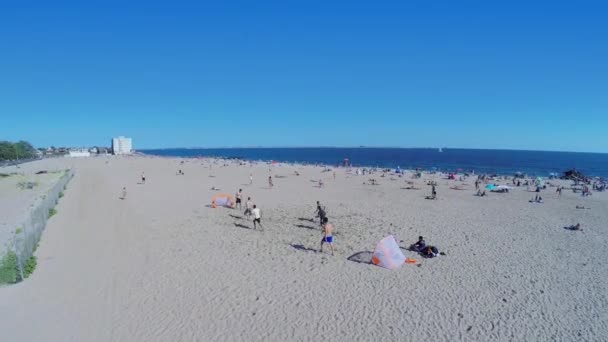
[(327, 235), (419, 245), (429, 252)]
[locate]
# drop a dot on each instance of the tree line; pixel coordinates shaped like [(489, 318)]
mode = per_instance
[(18, 150)]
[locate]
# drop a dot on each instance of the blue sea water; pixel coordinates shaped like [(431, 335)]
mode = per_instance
[(539, 163)]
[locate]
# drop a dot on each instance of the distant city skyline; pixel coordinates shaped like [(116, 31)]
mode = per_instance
[(516, 76)]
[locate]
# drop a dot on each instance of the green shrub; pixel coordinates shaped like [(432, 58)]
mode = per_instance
[(26, 185), (60, 194), (30, 266), (52, 212), (9, 271), (18, 230)]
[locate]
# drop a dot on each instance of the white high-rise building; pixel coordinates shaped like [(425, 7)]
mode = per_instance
[(122, 145)]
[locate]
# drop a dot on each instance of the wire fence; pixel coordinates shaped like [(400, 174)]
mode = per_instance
[(17, 261)]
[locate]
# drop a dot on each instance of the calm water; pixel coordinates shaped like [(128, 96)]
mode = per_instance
[(482, 161)]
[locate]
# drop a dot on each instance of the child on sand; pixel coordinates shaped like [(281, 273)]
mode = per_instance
[(327, 235)]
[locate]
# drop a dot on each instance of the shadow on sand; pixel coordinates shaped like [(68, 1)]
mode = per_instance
[(305, 226), (242, 226), (236, 216), (302, 248), (364, 257)]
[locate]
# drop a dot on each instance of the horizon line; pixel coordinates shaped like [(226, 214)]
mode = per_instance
[(361, 147)]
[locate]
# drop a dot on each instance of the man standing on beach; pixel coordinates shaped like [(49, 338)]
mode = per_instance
[(270, 182), (250, 178), (248, 207), (257, 216), (327, 235), (239, 196), (320, 213), (124, 193), (143, 178)]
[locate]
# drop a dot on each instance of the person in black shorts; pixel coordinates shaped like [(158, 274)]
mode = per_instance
[(239, 195)]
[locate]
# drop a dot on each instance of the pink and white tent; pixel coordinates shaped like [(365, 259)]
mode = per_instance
[(387, 254)]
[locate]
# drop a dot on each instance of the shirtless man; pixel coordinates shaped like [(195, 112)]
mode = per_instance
[(239, 196), (327, 235)]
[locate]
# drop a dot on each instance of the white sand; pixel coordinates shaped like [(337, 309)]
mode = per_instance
[(161, 266)]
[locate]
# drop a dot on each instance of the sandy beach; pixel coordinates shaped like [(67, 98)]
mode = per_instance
[(162, 265)]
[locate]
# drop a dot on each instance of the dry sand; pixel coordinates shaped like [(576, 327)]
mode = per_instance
[(162, 266)]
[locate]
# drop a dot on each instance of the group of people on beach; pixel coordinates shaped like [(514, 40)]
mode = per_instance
[(250, 209)]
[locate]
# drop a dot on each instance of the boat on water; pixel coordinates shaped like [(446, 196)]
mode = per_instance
[(440, 149)]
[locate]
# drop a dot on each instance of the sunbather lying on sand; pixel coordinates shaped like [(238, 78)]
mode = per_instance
[(575, 227)]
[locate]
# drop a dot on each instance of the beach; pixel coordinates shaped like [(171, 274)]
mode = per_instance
[(163, 265)]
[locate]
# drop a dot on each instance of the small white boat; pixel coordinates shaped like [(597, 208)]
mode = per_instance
[(440, 149)]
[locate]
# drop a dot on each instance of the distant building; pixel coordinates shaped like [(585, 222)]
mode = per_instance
[(78, 153), (122, 145)]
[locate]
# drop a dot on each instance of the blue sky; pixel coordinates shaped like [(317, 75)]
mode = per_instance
[(483, 74)]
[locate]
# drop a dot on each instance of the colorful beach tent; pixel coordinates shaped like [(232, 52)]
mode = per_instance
[(387, 254), (222, 200), (490, 187)]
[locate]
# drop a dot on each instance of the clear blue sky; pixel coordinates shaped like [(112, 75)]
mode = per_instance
[(485, 74)]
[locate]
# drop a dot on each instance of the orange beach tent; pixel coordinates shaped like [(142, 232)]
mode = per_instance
[(222, 200)]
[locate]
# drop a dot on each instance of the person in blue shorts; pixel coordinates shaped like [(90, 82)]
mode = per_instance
[(327, 235)]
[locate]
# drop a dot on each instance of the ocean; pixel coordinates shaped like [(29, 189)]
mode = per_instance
[(505, 162)]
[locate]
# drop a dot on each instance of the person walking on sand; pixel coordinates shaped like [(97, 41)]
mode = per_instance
[(257, 217), (124, 193), (143, 178), (239, 196), (270, 182), (320, 212), (248, 207), (250, 178), (559, 191), (327, 235)]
